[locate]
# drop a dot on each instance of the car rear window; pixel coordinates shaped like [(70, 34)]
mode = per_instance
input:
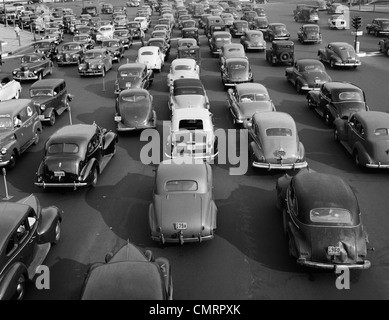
[(5, 123), (147, 53), (183, 67), (330, 215), (381, 132), (253, 97), (127, 73), (191, 124), (189, 91), (133, 98), (62, 148), (41, 92), (352, 95), (181, 185), (279, 132)]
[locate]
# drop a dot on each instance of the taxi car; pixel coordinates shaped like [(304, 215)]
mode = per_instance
[(182, 68), (97, 61), (115, 48), (75, 155), (253, 40), (151, 56), (192, 134), (236, 70), (274, 143), (219, 39), (34, 66), (246, 99), (28, 232), (365, 136), (322, 221), (183, 209), (134, 110), (20, 128), (133, 75), (337, 99), (9, 88), (188, 93), (129, 274), (307, 74), (309, 33), (276, 31), (72, 53), (50, 98), (378, 27)]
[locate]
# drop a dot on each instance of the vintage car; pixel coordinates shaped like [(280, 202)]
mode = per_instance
[(228, 18), (246, 99), (162, 27), (235, 71), (181, 19), (183, 68), (233, 11), (309, 33), (190, 52), (337, 21), (54, 34), (133, 75), (82, 29), (50, 98), (134, 28), (19, 129), (71, 53), (253, 40), (307, 15), (203, 20), (48, 47), (192, 135), (9, 88), (280, 52), (75, 155), (215, 28), (167, 22), (191, 33), (322, 221), (274, 143), (218, 40), (34, 66), (383, 46), (179, 186), (249, 16), (339, 54), (232, 50), (161, 34), (106, 8), (188, 93), (120, 22), (104, 32), (97, 61), (84, 39), (276, 31), (238, 28), (124, 36), (151, 56), (144, 25), (163, 45), (198, 10), (115, 48), (133, 3), (134, 110), (28, 231), (129, 274), (186, 42), (337, 100), (335, 8), (307, 74), (378, 27), (260, 24), (365, 135)]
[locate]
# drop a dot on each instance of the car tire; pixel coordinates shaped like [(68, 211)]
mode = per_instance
[(387, 52), (52, 119), (284, 56), (298, 87), (20, 287), (95, 177), (37, 137), (357, 161), (12, 160), (332, 63), (57, 232)]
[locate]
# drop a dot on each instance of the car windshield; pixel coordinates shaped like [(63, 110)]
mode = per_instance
[(134, 97), (191, 124), (352, 95), (189, 91), (384, 24), (26, 59), (147, 53), (80, 38), (133, 25), (311, 29), (381, 132), (181, 185), (280, 28), (256, 36), (223, 38), (279, 132), (111, 44), (105, 29), (41, 92), (254, 97), (93, 55), (71, 47), (330, 215), (183, 67), (5, 123), (62, 148), (121, 33), (237, 67), (129, 72)]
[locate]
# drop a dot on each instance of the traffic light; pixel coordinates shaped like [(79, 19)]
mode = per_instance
[(356, 22)]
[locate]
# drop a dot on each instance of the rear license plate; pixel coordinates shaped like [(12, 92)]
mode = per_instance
[(180, 225), (333, 251), (118, 118), (59, 173)]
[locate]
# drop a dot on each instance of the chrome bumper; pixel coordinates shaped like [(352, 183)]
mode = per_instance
[(74, 185), (330, 266), (279, 166)]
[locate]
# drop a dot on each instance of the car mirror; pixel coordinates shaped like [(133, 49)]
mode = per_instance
[(108, 257), (247, 124)]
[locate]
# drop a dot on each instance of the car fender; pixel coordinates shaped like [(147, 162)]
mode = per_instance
[(340, 124), (321, 53), (86, 171), (47, 113), (301, 151), (288, 73), (152, 218), (314, 95), (331, 110), (364, 157), (9, 279), (165, 267), (300, 244), (110, 137), (256, 150), (335, 58), (282, 184), (46, 228), (301, 80)]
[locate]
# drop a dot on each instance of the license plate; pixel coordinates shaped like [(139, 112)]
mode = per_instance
[(118, 118), (180, 225), (333, 251), (59, 173), (128, 84)]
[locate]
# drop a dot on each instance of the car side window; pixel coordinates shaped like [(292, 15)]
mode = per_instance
[(22, 231), (93, 144), (11, 246)]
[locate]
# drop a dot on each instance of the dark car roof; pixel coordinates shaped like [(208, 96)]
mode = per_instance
[(250, 87), (10, 216), (187, 82), (46, 83), (309, 62), (125, 280), (237, 60), (373, 119), (132, 66), (341, 44), (319, 190), (338, 85), (77, 133), (13, 106)]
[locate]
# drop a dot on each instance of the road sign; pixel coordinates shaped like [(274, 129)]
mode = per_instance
[(357, 33)]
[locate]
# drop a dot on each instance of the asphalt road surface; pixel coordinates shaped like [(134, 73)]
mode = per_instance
[(248, 258)]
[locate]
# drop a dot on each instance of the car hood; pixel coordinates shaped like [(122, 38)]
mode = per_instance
[(41, 99), (69, 52), (346, 55), (190, 101), (247, 109), (238, 74), (26, 66), (274, 147), (220, 43), (348, 108), (5, 136), (134, 81), (181, 207), (134, 114), (345, 238), (312, 34), (310, 77), (68, 164)]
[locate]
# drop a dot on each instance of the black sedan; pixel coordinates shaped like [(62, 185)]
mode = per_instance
[(133, 75), (236, 70), (75, 156), (322, 221)]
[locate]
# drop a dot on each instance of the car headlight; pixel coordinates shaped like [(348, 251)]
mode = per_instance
[(80, 68), (35, 72), (74, 56), (43, 107), (99, 66), (14, 72), (3, 151)]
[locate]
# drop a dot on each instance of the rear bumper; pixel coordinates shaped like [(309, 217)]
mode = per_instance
[(74, 185), (162, 239), (279, 166), (348, 64), (91, 72), (330, 266), (377, 166)]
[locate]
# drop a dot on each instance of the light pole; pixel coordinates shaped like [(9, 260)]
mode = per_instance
[(5, 15)]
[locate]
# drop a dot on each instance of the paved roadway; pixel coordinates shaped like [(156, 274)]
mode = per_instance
[(248, 258)]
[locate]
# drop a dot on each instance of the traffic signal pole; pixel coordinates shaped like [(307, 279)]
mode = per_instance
[(356, 23)]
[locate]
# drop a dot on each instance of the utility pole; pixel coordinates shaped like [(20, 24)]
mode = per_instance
[(357, 24)]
